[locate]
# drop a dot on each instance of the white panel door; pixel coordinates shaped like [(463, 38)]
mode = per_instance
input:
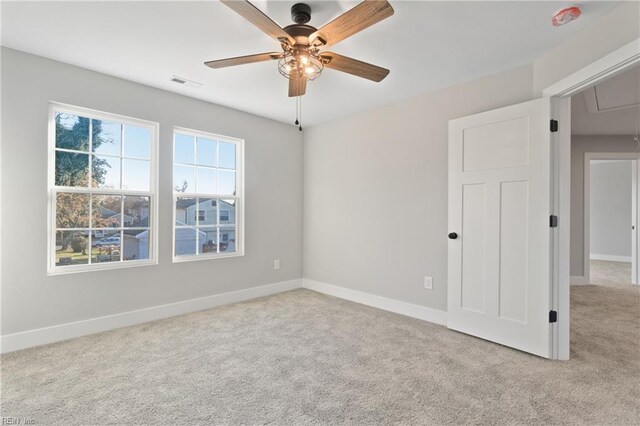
[(499, 206)]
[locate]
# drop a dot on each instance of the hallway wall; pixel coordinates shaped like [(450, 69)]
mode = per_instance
[(610, 210), (579, 146)]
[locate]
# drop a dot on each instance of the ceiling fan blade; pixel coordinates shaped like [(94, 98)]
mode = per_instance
[(297, 85), (354, 66), (241, 60), (259, 19), (362, 16)]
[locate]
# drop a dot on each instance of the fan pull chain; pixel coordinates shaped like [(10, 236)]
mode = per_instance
[(298, 121), (300, 113)]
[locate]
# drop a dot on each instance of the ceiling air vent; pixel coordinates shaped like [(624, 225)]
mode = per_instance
[(185, 82)]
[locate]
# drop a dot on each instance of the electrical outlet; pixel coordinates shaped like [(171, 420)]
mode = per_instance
[(428, 283), (276, 264)]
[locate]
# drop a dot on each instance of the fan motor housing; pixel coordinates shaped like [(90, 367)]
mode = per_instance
[(301, 13), (299, 30)]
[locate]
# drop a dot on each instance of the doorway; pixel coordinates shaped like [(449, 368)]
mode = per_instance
[(610, 214), (561, 93), (604, 149)]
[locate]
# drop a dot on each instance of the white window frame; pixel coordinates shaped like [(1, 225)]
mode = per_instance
[(153, 127), (239, 197)]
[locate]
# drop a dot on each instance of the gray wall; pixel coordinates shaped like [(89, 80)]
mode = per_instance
[(375, 190), (610, 208), (579, 146), (31, 299), (375, 204)]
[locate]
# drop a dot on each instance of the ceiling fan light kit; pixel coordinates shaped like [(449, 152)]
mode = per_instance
[(299, 60)]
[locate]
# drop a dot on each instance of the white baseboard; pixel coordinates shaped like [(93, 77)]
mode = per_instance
[(579, 280), (610, 258), (399, 307), (56, 333)]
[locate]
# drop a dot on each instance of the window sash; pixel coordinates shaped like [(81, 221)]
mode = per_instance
[(238, 225), (54, 189)]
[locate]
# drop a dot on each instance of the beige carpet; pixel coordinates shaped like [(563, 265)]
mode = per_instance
[(304, 358)]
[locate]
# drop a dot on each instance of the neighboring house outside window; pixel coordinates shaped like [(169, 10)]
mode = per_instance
[(102, 190), (208, 179)]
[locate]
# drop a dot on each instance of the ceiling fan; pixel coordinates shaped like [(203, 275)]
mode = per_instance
[(303, 56)]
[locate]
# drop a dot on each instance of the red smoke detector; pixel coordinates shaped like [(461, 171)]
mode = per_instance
[(566, 15)]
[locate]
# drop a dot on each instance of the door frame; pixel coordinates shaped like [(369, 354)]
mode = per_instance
[(588, 156), (560, 93)]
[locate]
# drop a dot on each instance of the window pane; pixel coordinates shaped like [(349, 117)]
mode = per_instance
[(107, 137), (72, 169), (72, 248), (136, 175), (184, 178), (184, 149), (105, 246), (226, 182), (206, 149), (185, 241), (207, 211), (206, 180), (227, 239), (185, 211), (227, 212), (105, 172), (136, 211), (72, 132), (72, 210), (208, 239), (227, 155), (137, 141), (106, 211), (135, 245)]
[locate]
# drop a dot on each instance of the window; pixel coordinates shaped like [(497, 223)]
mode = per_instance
[(102, 190), (208, 195)]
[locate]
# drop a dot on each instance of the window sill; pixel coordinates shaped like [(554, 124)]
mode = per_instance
[(64, 270), (192, 258)]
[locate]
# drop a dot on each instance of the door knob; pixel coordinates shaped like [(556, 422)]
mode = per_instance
[(453, 235)]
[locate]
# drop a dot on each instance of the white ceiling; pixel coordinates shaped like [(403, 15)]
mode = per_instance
[(610, 108), (427, 45)]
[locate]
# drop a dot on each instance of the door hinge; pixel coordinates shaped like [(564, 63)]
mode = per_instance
[(553, 221), (554, 125), (553, 316)]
